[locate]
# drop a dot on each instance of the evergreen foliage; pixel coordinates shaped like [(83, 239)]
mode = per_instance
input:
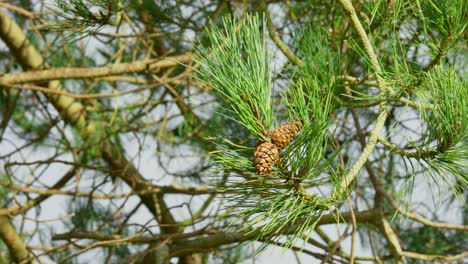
[(238, 68), (209, 131), (234, 67)]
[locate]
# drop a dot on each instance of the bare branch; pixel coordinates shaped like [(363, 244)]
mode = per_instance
[(18, 251), (418, 218), (437, 258), (92, 73)]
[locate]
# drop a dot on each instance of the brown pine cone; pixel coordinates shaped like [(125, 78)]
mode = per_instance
[(282, 135), (266, 154)]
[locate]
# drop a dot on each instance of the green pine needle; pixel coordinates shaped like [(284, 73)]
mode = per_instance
[(444, 153), (274, 212), (448, 122), (237, 67), (310, 99)]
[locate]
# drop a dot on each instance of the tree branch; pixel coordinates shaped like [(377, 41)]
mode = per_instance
[(183, 247), (437, 258), (74, 95), (383, 113), (418, 218), (17, 209), (92, 73), (18, 251), (73, 112), (279, 43), (418, 154), (201, 240), (392, 239)]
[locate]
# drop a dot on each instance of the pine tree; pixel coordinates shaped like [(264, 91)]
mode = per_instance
[(158, 131)]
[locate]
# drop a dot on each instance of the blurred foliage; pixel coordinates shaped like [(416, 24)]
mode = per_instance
[(194, 124)]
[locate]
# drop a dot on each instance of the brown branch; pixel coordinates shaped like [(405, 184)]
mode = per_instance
[(437, 258), (91, 73), (17, 209), (185, 109), (337, 244), (383, 113), (277, 40), (102, 244), (377, 183), (174, 189), (53, 191), (441, 52), (294, 248), (200, 240), (75, 95), (18, 10), (183, 247), (73, 112), (135, 239), (418, 218), (18, 251), (392, 239), (349, 8), (203, 240), (352, 255)]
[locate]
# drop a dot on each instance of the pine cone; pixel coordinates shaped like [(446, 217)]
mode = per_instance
[(282, 135), (266, 154)]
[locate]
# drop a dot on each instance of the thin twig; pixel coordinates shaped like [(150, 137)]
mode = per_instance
[(353, 235), (437, 258), (91, 73), (418, 218), (281, 45), (420, 153), (44, 90)]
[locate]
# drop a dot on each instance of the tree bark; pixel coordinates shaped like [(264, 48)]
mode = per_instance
[(18, 251), (74, 113)]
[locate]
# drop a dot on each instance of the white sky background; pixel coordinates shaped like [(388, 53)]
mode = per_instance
[(56, 207)]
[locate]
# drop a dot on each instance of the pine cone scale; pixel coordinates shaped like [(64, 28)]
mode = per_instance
[(285, 133), (266, 154)]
